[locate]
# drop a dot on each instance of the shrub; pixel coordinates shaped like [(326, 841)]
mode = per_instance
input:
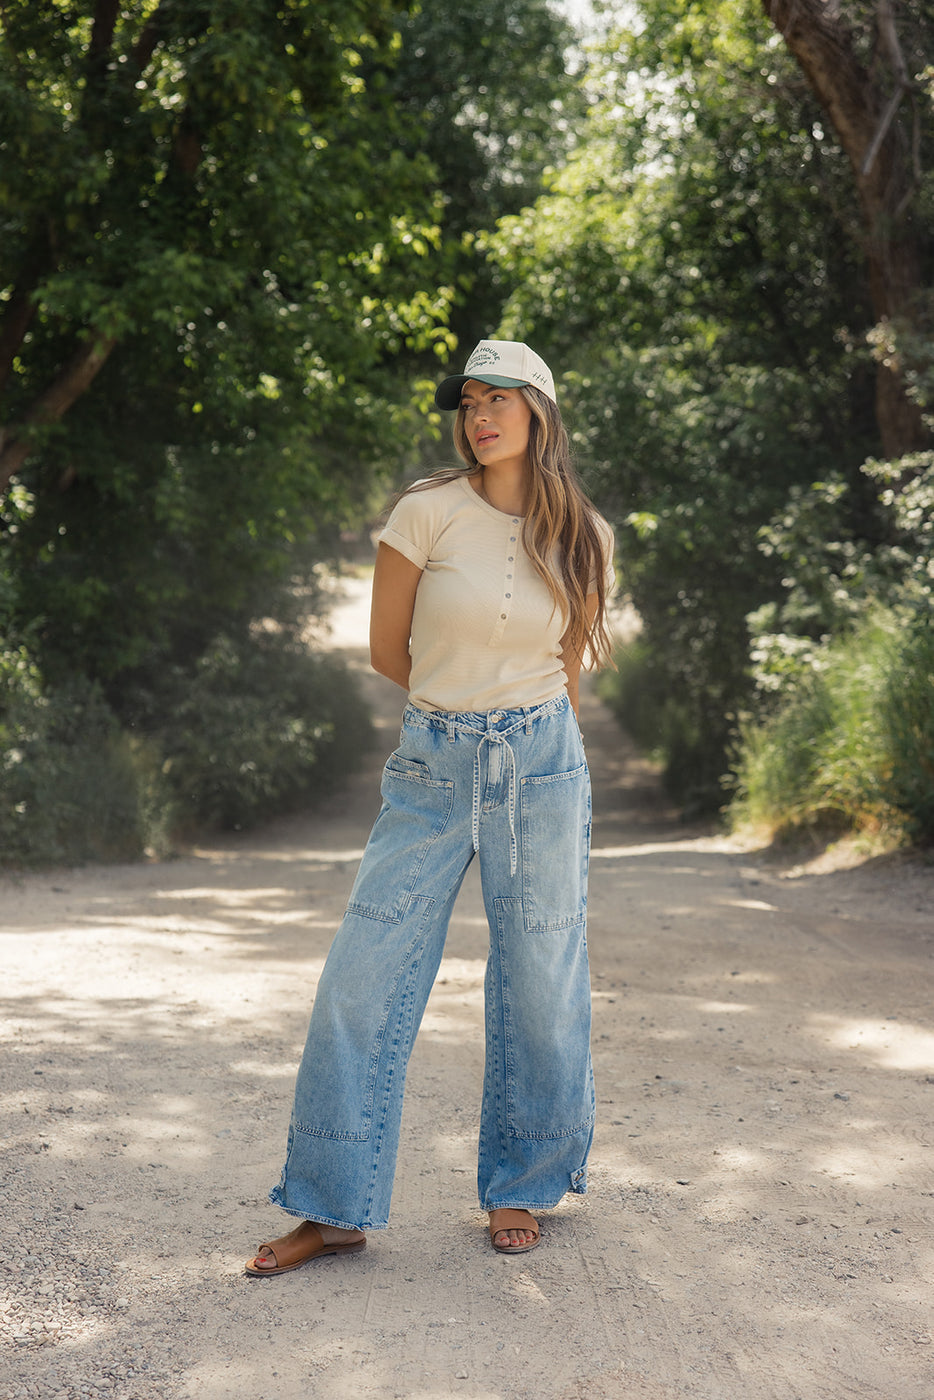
[(907, 703), (684, 732), (852, 745), (255, 729), (68, 787), (258, 727)]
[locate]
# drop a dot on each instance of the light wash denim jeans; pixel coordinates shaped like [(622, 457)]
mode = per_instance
[(512, 786)]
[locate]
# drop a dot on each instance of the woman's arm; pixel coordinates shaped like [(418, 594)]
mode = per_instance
[(571, 660), (395, 580)]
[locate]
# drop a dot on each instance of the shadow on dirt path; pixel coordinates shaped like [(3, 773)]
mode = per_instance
[(759, 1220)]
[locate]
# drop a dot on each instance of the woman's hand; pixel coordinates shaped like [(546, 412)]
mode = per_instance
[(395, 580)]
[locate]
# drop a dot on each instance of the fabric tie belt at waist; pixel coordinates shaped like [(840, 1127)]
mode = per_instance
[(492, 736), (478, 723)]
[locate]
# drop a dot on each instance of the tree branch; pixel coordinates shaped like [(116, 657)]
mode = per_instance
[(75, 377), (19, 313), (888, 34), (888, 39), (822, 44), (882, 130), (863, 114)]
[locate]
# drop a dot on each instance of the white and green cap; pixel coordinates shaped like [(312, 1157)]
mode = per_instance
[(506, 363)]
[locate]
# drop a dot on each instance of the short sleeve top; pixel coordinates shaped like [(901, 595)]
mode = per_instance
[(486, 634)]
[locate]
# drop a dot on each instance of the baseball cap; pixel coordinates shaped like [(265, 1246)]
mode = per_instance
[(506, 363)]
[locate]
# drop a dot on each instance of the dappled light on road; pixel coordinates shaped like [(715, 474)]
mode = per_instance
[(893, 1044), (758, 1184)]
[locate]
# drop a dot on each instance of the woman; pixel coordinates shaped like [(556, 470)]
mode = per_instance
[(490, 587)]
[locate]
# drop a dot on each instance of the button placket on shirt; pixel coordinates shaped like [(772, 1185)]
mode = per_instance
[(508, 578)]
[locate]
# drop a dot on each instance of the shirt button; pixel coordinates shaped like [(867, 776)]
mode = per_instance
[(503, 616), (512, 539), (508, 595), (511, 559)]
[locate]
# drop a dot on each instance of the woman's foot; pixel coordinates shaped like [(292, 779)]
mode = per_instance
[(306, 1242), (513, 1231)]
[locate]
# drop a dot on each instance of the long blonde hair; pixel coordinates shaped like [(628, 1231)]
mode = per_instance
[(561, 534)]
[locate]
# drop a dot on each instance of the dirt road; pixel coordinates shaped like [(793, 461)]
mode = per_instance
[(758, 1225)]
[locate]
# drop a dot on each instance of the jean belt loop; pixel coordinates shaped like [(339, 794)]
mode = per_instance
[(528, 721), (450, 726), (513, 844), (475, 814)]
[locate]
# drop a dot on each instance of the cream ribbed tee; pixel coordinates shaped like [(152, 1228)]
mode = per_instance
[(485, 632)]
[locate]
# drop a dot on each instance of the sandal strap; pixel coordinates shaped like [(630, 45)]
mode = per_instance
[(295, 1246), (507, 1219)]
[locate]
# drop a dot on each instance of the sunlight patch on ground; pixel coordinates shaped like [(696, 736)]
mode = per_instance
[(290, 856), (241, 900), (724, 1008), (740, 1159), (869, 1167), (701, 845), (891, 1044), (262, 1069), (182, 926)]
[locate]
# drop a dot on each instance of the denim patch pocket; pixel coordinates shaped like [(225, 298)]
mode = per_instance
[(415, 811), (554, 815)]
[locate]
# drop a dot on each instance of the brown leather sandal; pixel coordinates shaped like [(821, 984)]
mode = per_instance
[(299, 1247), (504, 1219)]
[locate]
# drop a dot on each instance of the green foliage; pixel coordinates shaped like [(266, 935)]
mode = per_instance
[(908, 716), (844, 663), (214, 189), (488, 90), (254, 214), (491, 99), (662, 722), (256, 730), (68, 789), (833, 577), (852, 746), (695, 274), (252, 730)]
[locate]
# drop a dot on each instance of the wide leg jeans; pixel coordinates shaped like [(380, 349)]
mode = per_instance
[(513, 787)]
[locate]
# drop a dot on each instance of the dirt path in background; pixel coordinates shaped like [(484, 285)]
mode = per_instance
[(759, 1220)]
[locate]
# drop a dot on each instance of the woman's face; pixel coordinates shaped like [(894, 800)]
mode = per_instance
[(496, 422)]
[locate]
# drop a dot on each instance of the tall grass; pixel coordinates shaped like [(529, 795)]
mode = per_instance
[(852, 746), (908, 705)]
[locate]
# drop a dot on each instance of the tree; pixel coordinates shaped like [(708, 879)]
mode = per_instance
[(490, 91), (865, 70), (693, 269), (210, 243), (228, 255), (169, 166)]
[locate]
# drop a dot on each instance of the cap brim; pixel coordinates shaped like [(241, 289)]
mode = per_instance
[(448, 392)]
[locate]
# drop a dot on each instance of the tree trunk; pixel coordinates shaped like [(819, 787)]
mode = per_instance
[(863, 114), (75, 377)]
